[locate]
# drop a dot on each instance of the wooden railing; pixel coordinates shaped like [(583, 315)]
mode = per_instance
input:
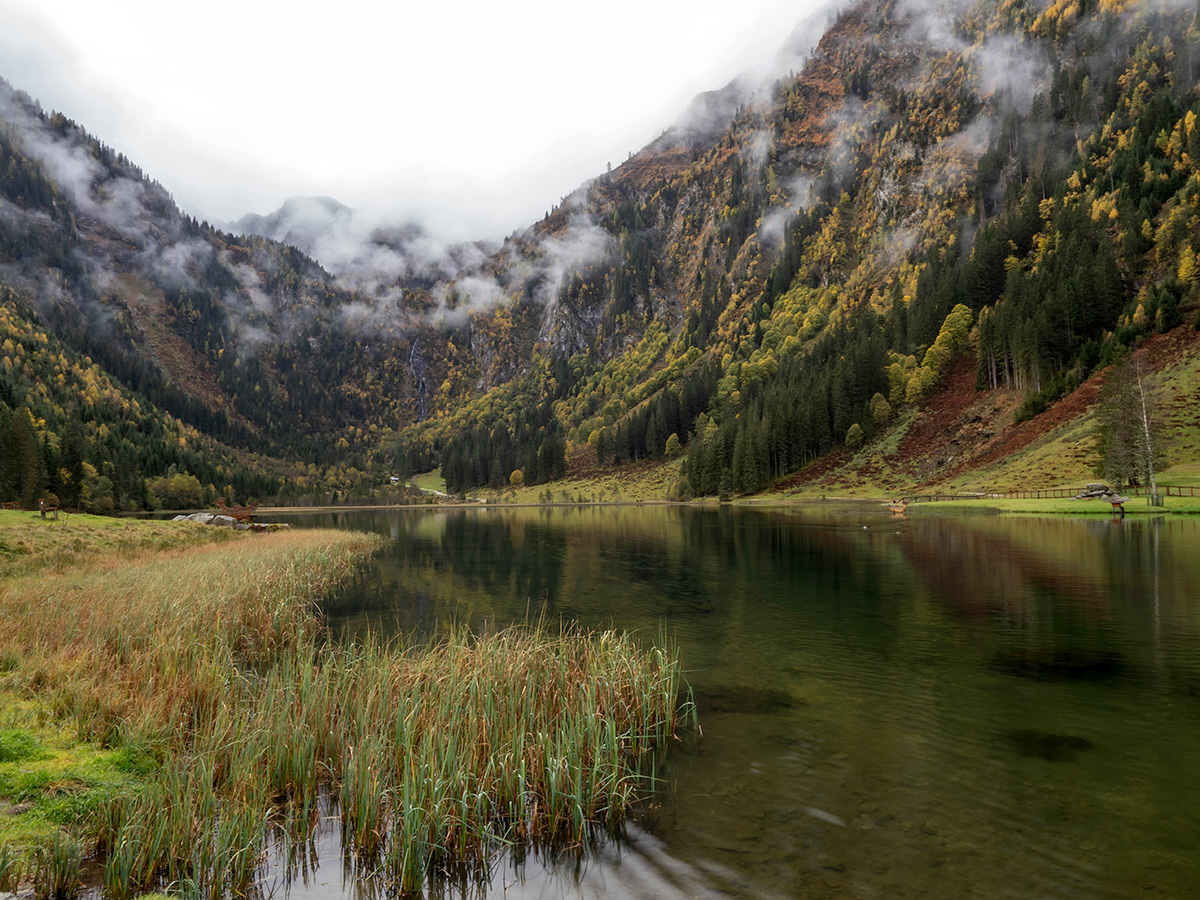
[(1167, 490), (1164, 490)]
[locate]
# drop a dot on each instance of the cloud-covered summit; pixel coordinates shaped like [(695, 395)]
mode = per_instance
[(367, 250)]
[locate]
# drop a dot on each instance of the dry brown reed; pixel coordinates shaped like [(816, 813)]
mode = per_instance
[(214, 659)]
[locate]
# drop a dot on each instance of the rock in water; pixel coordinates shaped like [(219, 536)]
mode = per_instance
[(1047, 745)]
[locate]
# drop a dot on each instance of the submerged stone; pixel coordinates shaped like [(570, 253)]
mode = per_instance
[(742, 699), (1058, 662), (1047, 745)]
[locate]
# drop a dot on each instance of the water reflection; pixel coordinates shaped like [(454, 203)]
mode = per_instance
[(926, 707)]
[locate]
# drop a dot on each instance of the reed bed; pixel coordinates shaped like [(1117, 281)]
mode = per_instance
[(214, 659)]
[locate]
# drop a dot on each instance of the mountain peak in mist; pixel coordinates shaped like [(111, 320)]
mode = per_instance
[(300, 221), (365, 248)]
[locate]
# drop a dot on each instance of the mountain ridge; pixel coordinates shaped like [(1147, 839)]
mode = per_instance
[(753, 300)]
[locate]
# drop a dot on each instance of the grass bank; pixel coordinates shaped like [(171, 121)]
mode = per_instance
[(193, 692), (31, 544), (1136, 506)]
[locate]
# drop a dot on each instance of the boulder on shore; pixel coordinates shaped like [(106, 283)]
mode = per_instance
[(210, 519)]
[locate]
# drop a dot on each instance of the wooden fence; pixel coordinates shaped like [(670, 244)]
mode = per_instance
[(1164, 490), (1167, 490)]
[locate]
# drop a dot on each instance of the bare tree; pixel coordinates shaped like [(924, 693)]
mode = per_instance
[(1151, 447)]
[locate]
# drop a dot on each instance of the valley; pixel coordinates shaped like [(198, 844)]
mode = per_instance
[(588, 583)]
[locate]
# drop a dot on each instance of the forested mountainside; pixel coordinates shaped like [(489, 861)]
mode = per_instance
[(208, 355), (1004, 180), (784, 275)]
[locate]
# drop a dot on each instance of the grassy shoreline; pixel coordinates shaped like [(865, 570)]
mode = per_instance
[(1064, 507), (1182, 506), (187, 666)]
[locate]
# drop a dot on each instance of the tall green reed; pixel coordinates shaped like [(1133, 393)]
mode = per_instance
[(57, 869)]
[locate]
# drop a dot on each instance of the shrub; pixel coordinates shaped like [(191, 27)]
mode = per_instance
[(854, 436)]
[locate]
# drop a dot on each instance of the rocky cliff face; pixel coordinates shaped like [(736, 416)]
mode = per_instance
[(878, 114)]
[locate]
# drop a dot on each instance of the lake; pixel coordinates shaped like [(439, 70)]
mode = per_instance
[(931, 707)]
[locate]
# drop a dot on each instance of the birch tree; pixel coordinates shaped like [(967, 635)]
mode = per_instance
[(1128, 434)]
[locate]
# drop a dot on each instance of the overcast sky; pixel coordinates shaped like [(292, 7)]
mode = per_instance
[(478, 115)]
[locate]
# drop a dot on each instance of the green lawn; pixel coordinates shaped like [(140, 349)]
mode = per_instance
[(28, 542), (49, 778), (430, 481), (1135, 506)]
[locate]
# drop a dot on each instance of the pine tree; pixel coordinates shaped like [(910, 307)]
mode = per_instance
[(25, 457)]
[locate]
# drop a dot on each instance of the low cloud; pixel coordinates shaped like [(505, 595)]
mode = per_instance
[(934, 21), (103, 193), (178, 262), (381, 260), (773, 227), (972, 141), (1007, 67), (583, 244), (896, 245), (1010, 69), (24, 219), (953, 161), (466, 296), (757, 148), (364, 249), (710, 114), (539, 268), (854, 122)]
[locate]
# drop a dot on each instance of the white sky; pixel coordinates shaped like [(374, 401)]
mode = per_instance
[(480, 115)]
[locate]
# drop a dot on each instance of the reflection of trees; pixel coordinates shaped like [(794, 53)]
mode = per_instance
[(748, 581), (841, 666), (1062, 583), (461, 566), (632, 568), (505, 556), (978, 566)]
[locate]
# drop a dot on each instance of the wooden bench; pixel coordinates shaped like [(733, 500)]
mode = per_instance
[(43, 508), (241, 513), (11, 504)]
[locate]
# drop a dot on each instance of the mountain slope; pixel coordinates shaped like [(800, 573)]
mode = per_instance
[(244, 339), (985, 187), (1001, 184)]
